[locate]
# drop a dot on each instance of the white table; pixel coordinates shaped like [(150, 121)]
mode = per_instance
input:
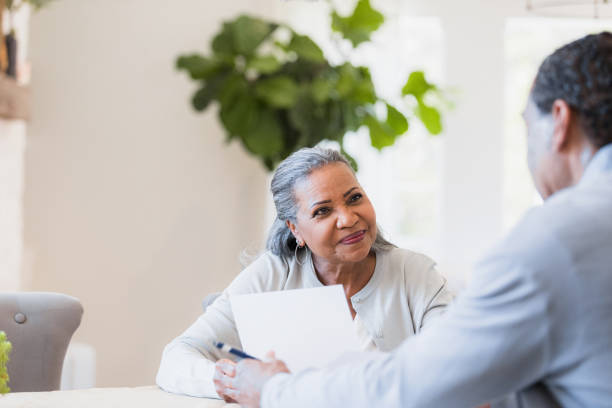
[(146, 397)]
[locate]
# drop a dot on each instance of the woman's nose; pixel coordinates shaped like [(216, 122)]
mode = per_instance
[(346, 218)]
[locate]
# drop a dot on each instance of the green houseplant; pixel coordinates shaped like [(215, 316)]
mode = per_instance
[(5, 349), (277, 92)]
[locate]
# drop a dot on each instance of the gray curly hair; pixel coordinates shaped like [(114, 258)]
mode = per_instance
[(290, 171)]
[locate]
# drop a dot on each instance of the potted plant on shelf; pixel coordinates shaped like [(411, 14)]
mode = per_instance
[(277, 92), (8, 45)]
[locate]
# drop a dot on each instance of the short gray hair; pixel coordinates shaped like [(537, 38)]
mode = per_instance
[(290, 171)]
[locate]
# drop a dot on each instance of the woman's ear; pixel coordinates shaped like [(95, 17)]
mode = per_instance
[(293, 228)]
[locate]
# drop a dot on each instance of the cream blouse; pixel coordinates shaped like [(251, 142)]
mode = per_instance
[(403, 295)]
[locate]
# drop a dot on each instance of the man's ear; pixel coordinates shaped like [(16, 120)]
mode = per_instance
[(562, 117), (293, 228)]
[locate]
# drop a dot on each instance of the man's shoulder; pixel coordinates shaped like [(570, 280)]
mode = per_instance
[(589, 196), (580, 208), (577, 216), (552, 238)]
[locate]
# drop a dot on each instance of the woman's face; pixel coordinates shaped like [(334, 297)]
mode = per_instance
[(335, 217)]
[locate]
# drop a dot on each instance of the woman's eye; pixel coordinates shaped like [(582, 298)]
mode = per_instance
[(320, 211), (355, 197)]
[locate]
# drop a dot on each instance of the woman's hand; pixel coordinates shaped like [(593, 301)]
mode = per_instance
[(225, 370), (247, 379)]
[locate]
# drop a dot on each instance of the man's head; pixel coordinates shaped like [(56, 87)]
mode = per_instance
[(569, 112)]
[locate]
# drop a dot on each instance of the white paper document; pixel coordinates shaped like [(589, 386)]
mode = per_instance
[(304, 327)]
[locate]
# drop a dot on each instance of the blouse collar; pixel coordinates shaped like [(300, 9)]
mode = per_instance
[(311, 276)]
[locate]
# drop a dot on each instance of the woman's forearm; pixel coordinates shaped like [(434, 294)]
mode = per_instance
[(186, 370)]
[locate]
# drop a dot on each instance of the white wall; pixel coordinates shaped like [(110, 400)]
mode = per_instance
[(12, 147), (133, 202), (12, 157)]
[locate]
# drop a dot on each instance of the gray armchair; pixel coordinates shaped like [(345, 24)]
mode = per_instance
[(39, 325)]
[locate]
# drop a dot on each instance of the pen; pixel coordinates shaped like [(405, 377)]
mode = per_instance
[(229, 349)]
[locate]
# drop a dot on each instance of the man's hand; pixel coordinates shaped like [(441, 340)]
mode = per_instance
[(243, 382)]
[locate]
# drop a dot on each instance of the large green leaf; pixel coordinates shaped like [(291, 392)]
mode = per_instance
[(381, 134), (240, 117), (350, 115), (346, 79), (364, 91), (233, 87), (239, 109), (304, 70), (417, 85), (266, 64), (202, 98), (249, 32), (309, 119), (301, 116), (358, 27), (315, 121), (209, 91), (199, 67), (355, 83), (304, 47), (321, 89), (278, 91), (266, 138), (335, 128), (430, 117), (396, 120), (223, 43)]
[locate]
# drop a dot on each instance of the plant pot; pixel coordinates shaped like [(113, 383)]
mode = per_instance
[(11, 52)]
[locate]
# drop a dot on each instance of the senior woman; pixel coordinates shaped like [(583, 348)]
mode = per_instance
[(325, 233)]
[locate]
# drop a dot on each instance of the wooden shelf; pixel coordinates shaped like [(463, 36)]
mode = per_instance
[(14, 99)]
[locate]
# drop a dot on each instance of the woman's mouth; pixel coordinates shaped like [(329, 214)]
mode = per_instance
[(353, 238)]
